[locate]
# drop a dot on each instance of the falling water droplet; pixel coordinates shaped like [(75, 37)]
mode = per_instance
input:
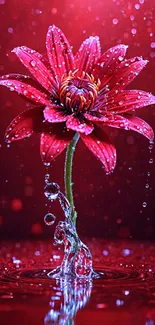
[(49, 219), (47, 176), (51, 191), (151, 161), (144, 204)]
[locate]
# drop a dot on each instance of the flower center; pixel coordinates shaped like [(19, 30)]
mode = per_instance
[(78, 94)]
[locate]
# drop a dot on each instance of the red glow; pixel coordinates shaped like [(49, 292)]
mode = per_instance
[(16, 205)]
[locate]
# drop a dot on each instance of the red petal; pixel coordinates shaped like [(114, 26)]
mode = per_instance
[(99, 143), (128, 122), (25, 90), (75, 124), (108, 62), (25, 124), (88, 54), (125, 101), (54, 114), (54, 142), (126, 72), (33, 61), (59, 51)]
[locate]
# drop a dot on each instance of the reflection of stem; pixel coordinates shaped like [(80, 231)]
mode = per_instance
[(68, 175), (71, 322)]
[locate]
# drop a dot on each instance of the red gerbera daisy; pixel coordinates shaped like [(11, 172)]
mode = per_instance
[(81, 93)]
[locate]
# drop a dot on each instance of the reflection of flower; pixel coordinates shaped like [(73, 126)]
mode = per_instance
[(75, 295), (80, 93)]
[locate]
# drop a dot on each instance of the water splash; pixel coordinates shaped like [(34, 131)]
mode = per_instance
[(77, 261)]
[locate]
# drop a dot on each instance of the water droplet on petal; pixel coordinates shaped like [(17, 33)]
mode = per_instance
[(49, 219), (33, 63)]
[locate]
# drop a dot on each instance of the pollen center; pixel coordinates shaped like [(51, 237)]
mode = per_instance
[(78, 94)]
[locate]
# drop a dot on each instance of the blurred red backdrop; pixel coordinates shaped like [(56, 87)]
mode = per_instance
[(107, 205)]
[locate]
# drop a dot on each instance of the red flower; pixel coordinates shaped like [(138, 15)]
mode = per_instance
[(81, 93)]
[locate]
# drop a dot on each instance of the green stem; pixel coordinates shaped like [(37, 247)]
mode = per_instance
[(68, 175)]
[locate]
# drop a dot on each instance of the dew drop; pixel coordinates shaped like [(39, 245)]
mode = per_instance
[(51, 191), (49, 219), (33, 63)]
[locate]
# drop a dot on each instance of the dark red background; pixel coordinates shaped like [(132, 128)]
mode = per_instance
[(106, 205)]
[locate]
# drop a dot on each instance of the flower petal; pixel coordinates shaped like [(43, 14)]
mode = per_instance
[(33, 61), (53, 142), (128, 122), (95, 116), (100, 145), (88, 54), (25, 124), (125, 101), (108, 62), (54, 114), (25, 90), (126, 72), (75, 124), (59, 51)]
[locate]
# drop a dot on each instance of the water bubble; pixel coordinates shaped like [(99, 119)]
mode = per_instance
[(144, 204), (51, 191), (49, 219)]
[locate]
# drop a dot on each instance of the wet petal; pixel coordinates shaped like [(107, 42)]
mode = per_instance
[(33, 61), (25, 90), (54, 141), (125, 101), (59, 51), (75, 124), (108, 62), (88, 54), (95, 116), (25, 124), (126, 72), (54, 114), (100, 145), (128, 122)]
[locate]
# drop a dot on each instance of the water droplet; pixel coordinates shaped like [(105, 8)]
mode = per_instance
[(49, 219), (51, 191), (33, 63), (47, 176), (144, 204), (147, 185), (151, 161)]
